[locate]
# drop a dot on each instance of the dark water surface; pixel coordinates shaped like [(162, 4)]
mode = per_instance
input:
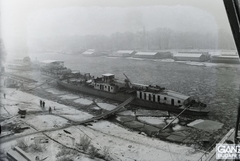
[(217, 86)]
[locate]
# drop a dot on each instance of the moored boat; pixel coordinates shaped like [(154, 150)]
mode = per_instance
[(146, 96)]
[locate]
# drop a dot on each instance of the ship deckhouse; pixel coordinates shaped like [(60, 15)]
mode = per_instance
[(163, 96), (106, 83)]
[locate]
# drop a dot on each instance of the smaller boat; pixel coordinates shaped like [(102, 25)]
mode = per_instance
[(53, 68), (23, 64)]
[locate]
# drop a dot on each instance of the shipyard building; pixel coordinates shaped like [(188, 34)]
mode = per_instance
[(230, 57), (123, 53), (192, 56), (91, 52), (153, 55)]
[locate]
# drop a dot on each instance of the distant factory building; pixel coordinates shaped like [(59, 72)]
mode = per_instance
[(230, 57), (123, 53), (191, 56), (153, 55), (91, 52)]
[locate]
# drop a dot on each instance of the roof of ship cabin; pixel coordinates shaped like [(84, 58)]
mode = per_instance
[(176, 94), (187, 55), (146, 53), (107, 74), (126, 51), (51, 61)]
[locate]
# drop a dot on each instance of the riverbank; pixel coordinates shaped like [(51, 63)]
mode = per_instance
[(122, 143)]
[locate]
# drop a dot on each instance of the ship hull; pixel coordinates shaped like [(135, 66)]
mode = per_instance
[(122, 96)]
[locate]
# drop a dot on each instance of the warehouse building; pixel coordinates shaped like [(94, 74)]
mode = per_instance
[(191, 56), (230, 59), (123, 53), (153, 55), (91, 52)]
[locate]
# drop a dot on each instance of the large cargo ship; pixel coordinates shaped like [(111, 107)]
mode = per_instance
[(146, 96)]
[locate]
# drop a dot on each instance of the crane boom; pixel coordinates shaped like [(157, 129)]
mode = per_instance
[(129, 82)]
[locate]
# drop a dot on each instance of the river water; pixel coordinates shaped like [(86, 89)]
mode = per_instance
[(215, 85)]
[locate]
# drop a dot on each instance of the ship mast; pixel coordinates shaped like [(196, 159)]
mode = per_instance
[(233, 11)]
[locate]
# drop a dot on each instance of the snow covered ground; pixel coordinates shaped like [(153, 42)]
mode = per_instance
[(152, 120), (69, 96), (123, 144), (83, 101), (55, 91), (43, 122), (106, 106), (126, 113)]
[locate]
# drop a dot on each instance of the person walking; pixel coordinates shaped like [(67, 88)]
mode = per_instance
[(4, 95), (50, 110), (41, 103)]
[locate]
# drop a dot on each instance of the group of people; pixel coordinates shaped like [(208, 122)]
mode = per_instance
[(42, 104)]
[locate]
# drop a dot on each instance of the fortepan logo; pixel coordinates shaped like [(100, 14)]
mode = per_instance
[(227, 151)]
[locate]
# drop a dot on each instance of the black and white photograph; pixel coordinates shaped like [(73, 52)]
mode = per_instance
[(119, 80)]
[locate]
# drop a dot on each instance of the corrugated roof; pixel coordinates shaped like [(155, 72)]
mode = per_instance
[(188, 55), (52, 61), (146, 53)]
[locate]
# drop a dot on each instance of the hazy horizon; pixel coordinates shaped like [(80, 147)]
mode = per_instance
[(24, 20)]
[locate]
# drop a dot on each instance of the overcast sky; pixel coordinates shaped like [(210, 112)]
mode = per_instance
[(22, 19)]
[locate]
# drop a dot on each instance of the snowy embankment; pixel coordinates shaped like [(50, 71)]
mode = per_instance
[(127, 145), (122, 143)]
